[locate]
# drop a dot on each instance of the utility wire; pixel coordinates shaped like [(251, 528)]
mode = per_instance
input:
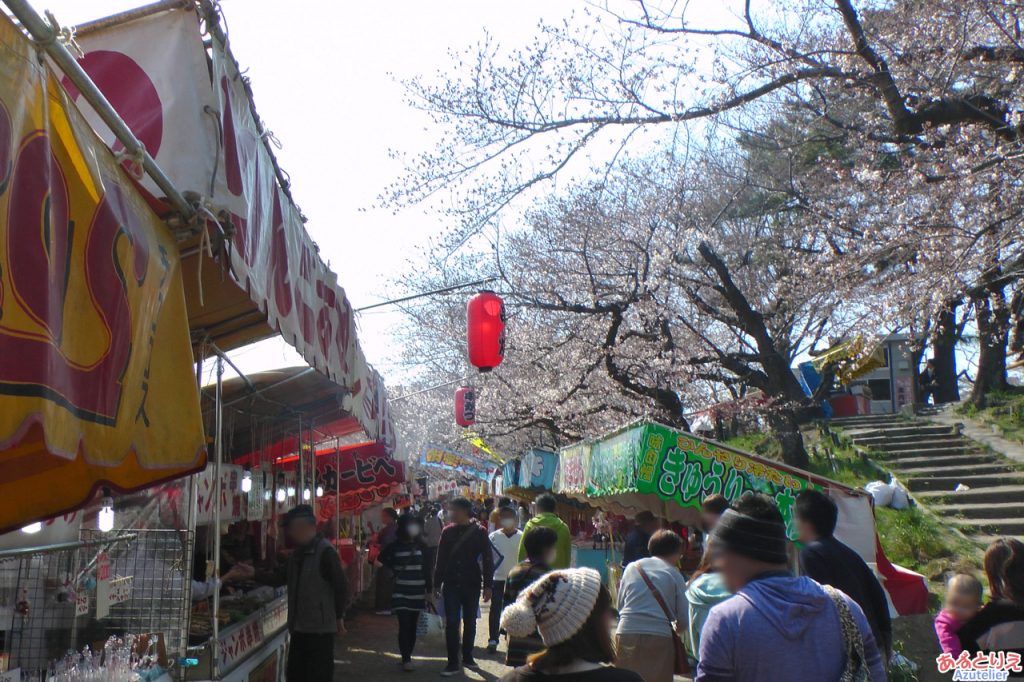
[(428, 293)]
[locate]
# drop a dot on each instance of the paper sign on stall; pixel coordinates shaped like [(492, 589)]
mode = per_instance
[(121, 589), (102, 586), (82, 604), (11, 676)]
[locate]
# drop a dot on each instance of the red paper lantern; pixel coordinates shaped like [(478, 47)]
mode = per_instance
[(485, 330), (465, 406)]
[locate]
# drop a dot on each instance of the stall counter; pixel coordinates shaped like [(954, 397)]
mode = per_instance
[(254, 645)]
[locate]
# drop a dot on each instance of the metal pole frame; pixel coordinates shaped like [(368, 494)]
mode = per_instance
[(337, 488), (46, 37), (301, 482), (218, 451)]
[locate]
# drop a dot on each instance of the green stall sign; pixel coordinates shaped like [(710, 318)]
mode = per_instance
[(682, 468)]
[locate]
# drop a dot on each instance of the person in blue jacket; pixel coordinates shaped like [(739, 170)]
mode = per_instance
[(778, 626)]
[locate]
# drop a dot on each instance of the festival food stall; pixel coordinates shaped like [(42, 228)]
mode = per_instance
[(534, 473), (169, 236), (452, 473), (646, 466), (282, 436)]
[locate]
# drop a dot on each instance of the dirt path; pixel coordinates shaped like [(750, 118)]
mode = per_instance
[(370, 653)]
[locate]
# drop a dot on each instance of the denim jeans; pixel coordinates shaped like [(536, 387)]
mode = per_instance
[(497, 603), (460, 603)]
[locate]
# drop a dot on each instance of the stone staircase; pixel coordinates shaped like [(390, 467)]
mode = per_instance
[(933, 459)]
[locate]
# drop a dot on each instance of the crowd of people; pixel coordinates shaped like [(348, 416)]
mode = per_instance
[(756, 607)]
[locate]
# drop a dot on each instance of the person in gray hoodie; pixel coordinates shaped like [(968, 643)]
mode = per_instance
[(777, 626)]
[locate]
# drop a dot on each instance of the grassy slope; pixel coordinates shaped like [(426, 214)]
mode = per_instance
[(1005, 410), (911, 537)]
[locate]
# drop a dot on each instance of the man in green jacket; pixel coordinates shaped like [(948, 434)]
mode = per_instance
[(546, 518)]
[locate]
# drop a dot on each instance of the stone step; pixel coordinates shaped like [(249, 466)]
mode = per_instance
[(948, 483), (867, 419), (1006, 493), (862, 417), (925, 452), (983, 540), (951, 446), (956, 459), (944, 439), (909, 430), (951, 471), (1001, 526), (983, 510)]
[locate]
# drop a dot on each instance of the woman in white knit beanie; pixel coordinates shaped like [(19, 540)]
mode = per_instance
[(572, 611)]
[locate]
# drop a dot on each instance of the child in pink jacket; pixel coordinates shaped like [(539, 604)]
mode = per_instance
[(963, 601)]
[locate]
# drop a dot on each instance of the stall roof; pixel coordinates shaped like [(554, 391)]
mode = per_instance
[(263, 412)]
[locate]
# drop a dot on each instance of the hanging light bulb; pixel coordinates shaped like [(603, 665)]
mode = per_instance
[(266, 495), (281, 495), (32, 528), (319, 491), (306, 494), (105, 521), (247, 480), (291, 491)]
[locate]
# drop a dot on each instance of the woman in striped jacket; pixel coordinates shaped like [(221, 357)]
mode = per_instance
[(411, 572)]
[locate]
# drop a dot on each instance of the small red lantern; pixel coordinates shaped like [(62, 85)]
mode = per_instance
[(485, 330), (465, 406)]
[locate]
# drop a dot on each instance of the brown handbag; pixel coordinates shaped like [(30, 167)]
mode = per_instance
[(682, 664)]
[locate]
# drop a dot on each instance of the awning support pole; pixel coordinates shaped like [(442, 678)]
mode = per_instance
[(46, 37), (218, 452)]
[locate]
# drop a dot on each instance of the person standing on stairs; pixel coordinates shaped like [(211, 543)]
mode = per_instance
[(929, 383)]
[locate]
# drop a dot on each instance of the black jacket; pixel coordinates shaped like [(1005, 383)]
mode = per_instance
[(830, 562), (1000, 624), (635, 547)]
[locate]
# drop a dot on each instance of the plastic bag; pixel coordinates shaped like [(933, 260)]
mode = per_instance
[(900, 496), (430, 626), (881, 491)]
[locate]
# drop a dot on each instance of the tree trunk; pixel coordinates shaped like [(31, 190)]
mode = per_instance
[(992, 316), (1017, 322), (786, 427), (944, 342)]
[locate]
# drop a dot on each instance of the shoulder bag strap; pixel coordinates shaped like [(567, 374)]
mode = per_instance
[(657, 595), (463, 540), (855, 669)]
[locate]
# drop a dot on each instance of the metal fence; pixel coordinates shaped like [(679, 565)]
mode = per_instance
[(48, 602)]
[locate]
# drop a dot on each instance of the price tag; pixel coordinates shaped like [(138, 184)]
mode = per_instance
[(82, 604)]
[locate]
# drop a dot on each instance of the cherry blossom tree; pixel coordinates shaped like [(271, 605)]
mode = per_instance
[(921, 97), (812, 171)]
